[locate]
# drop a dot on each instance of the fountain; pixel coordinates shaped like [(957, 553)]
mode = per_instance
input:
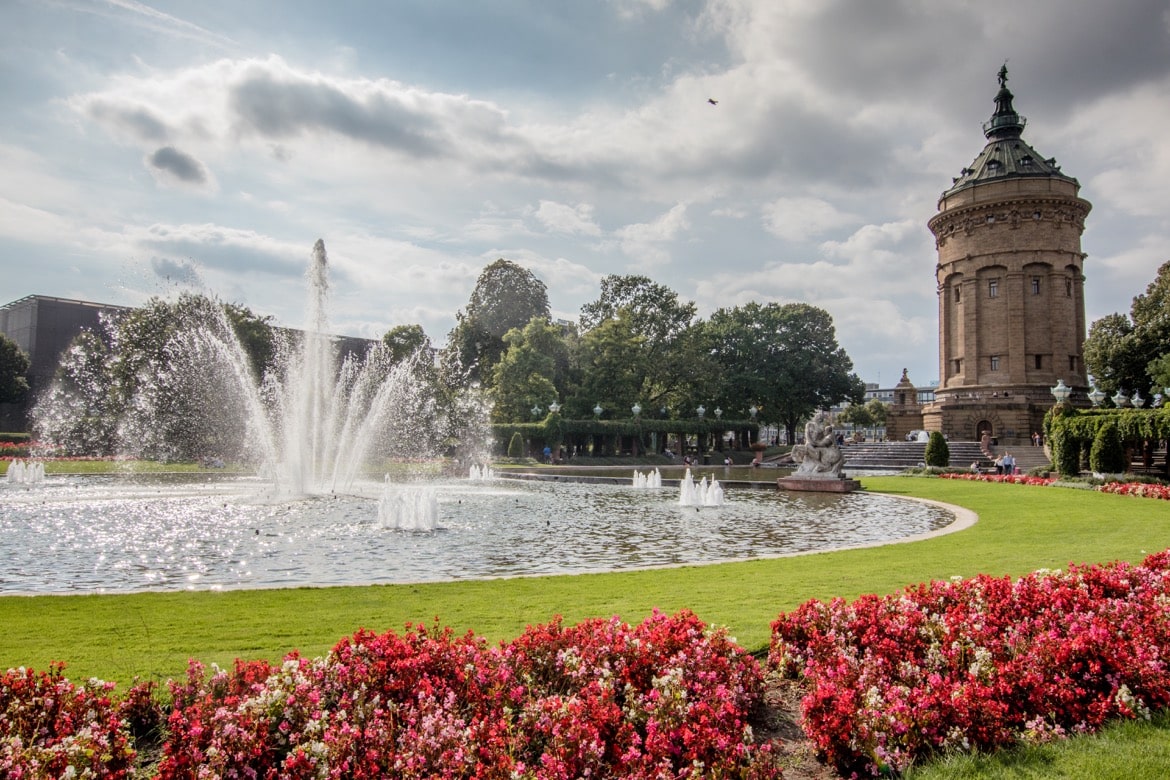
[(407, 508), (478, 473), (309, 512), (21, 472), (703, 493), (651, 479), (313, 424)]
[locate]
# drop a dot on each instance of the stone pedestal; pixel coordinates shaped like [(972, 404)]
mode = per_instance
[(812, 485)]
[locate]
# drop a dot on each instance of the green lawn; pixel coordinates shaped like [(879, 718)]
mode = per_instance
[(1128, 750)]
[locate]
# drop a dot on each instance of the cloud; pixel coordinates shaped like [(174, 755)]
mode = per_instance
[(215, 247), (812, 179), (138, 122), (26, 223), (569, 220), (647, 242), (172, 166), (799, 219)]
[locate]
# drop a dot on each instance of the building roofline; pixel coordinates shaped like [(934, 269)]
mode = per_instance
[(74, 301)]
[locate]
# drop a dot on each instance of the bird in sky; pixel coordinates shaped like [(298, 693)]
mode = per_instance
[(713, 101)]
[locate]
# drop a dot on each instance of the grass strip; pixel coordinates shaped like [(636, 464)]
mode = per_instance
[(152, 635), (1125, 750)]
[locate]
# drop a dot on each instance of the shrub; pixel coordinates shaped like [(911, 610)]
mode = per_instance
[(516, 446), (1066, 453), (1107, 455), (938, 452)]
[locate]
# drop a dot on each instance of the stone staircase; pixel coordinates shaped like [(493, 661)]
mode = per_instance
[(1027, 457), (898, 455)]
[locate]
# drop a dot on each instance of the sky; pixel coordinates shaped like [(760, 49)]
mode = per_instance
[(148, 147)]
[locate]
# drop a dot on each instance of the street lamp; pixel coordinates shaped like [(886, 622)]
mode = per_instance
[(753, 411), (701, 411), (1120, 400), (597, 410), (718, 413), (636, 408), (1061, 391), (1096, 397), (536, 410), (554, 407)]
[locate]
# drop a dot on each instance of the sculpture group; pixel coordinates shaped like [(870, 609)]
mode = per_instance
[(820, 456)]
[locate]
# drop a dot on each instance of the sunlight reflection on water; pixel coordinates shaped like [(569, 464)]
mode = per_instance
[(72, 535)]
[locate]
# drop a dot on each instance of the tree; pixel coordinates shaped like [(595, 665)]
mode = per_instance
[(615, 368), (405, 341), (1112, 354), (524, 376), (668, 367), (1121, 352), (654, 310), (506, 296), (1159, 371), (783, 358), (13, 369), (77, 413), (878, 412), (254, 334), (154, 383), (938, 452), (857, 415)]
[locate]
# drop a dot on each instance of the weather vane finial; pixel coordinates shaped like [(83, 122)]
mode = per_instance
[(1003, 74)]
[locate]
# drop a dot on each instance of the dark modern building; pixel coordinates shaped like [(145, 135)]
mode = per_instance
[(44, 327)]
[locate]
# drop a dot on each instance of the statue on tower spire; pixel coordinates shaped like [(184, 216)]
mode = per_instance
[(1003, 74)]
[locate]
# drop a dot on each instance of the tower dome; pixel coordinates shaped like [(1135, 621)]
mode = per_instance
[(1006, 156), (1010, 285)]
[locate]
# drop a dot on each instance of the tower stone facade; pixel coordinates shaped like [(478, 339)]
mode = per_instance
[(1010, 287)]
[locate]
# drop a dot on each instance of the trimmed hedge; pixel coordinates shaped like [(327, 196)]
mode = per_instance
[(1070, 432), (555, 430)]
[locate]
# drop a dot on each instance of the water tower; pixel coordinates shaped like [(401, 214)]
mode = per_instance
[(1010, 287)]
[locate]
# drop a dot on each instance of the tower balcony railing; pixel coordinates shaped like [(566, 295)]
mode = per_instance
[(1009, 120)]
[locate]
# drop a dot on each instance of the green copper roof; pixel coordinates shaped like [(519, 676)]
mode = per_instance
[(1006, 155)]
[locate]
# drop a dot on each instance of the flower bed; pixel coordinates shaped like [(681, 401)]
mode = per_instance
[(1014, 479), (1145, 490), (663, 699), (50, 727), (980, 663)]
